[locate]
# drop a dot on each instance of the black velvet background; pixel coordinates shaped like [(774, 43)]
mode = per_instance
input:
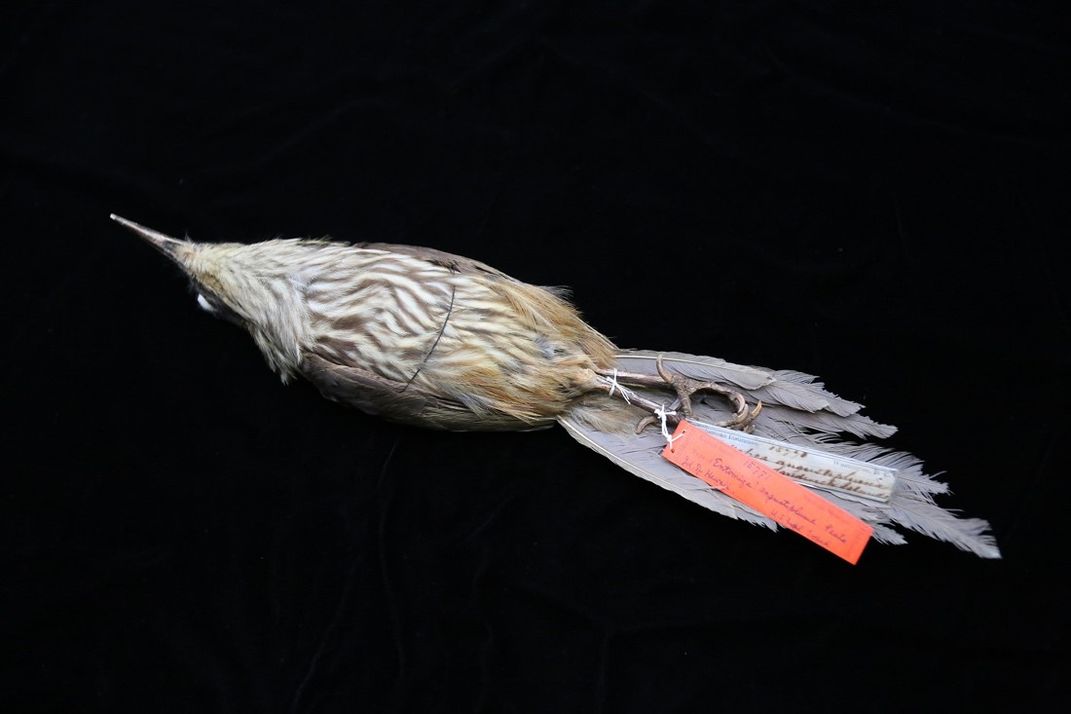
[(874, 195)]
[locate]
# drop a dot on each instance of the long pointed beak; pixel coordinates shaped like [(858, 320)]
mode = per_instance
[(164, 243)]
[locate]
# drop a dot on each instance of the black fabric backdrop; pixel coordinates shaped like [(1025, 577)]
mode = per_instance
[(872, 195)]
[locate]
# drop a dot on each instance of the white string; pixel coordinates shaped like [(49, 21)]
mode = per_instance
[(626, 393), (662, 414)]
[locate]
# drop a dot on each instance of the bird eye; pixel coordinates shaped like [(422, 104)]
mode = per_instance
[(205, 305)]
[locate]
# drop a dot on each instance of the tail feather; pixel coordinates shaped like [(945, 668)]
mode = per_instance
[(855, 424), (640, 455), (801, 391), (798, 410), (799, 394)]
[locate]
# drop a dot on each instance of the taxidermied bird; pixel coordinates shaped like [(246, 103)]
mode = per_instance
[(420, 336)]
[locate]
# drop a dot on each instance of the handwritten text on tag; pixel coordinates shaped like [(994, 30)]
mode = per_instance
[(757, 485)]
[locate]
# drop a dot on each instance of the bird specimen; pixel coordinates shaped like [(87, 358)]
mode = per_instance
[(423, 337)]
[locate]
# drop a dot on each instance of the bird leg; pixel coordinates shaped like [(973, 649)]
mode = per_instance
[(743, 419)]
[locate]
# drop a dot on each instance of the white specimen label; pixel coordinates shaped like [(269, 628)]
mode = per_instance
[(813, 467)]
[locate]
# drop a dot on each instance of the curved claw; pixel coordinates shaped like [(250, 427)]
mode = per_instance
[(685, 387), (743, 420), (647, 421), (662, 371)]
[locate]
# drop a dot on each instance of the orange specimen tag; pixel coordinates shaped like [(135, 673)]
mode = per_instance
[(773, 494)]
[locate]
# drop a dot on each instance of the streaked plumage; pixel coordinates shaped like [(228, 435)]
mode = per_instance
[(424, 337)]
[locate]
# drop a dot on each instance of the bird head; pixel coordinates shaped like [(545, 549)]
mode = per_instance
[(206, 265), (257, 286)]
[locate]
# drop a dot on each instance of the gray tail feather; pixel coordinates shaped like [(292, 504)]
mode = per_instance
[(798, 410), (640, 455)]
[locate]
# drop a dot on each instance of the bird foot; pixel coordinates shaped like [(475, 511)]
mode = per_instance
[(743, 419), (664, 415)]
